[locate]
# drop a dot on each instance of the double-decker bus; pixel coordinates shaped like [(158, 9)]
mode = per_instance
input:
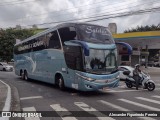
[(75, 55)]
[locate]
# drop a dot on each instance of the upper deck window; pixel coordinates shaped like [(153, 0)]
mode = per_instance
[(54, 41), (67, 33), (94, 34)]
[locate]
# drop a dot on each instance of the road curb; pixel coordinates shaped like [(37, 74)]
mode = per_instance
[(15, 102), (7, 104), (12, 102)]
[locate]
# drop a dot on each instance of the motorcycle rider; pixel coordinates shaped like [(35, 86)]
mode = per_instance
[(136, 76)]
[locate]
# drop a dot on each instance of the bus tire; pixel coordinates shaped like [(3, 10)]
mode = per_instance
[(61, 83), (22, 74), (25, 75)]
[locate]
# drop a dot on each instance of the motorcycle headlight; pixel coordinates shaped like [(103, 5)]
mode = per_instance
[(118, 77)]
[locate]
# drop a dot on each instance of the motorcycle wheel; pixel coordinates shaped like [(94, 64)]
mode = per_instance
[(129, 85), (150, 86)]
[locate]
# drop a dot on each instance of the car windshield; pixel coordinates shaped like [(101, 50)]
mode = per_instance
[(125, 68), (130, 68), (4, 64), (94, 34), (101, 61)]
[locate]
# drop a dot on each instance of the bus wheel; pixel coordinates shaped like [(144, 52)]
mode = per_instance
[(25, 75), (22, 75), (61, 83)]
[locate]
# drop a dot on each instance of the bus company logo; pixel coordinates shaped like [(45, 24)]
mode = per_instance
[(6, 114), (30, 46), (97, 30), (42, 41), (25, 47)]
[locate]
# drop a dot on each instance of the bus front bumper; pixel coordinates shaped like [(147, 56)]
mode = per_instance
[(95, 86)]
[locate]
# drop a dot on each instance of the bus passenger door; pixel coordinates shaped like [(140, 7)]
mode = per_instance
[(73, 59), (68, 67)]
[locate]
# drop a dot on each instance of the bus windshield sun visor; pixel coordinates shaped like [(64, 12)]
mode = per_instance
[(81, 43), (129, 48)]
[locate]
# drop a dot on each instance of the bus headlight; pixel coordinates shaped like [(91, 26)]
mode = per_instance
[(101, 81), (86, 78), (89, 79)]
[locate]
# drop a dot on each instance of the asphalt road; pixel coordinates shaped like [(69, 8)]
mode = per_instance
[(39, 96)]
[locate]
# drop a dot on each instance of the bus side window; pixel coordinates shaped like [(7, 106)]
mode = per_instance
[(54, 41), (67, 33)]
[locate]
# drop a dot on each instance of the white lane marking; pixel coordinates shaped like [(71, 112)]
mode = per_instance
[(122, 109), (7, 104), (32, 97), (89, 109), (148, 100), (59, 108), (157, 84), (113, 105), (140, 105), (156, 96), (132, 90), (30, 109), (122, 86), (112, 91)]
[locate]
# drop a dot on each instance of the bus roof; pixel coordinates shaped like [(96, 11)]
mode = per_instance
[(51, 29)]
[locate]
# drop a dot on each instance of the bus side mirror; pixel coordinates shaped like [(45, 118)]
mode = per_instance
[(81, 43), (129, 48)]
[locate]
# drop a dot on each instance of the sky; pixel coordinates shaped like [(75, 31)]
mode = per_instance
[(29, 12)]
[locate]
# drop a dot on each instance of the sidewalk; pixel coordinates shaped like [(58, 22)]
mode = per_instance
[(3, 95), (151, 70), (9, 100)]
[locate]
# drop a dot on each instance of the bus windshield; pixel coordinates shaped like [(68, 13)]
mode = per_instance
[(101, 61), (94, 34)]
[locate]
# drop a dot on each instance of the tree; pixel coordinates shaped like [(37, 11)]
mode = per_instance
[(144, 28), (8, 39)]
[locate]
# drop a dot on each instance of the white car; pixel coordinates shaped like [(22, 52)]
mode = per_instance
[(125, 68), (5, 67)]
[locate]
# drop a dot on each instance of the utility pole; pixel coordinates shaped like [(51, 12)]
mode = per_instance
[(146, 57)]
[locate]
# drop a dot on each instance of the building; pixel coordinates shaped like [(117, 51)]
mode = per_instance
[(141, 43)]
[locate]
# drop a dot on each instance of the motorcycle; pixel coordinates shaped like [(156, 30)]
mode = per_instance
[(145, 81)]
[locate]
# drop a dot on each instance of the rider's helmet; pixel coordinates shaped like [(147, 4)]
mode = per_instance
[(137, 66)]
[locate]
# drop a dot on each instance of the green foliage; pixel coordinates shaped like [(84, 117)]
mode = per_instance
[(143, 28), (8, 39)]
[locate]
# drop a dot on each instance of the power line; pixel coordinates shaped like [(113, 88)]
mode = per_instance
[(76, 7), (87, 9), (105, 14), (62, 10), (15, 3), (116, 13), (11, 1), (128, 14), (108, 10), (98, 16), (107, 17)]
